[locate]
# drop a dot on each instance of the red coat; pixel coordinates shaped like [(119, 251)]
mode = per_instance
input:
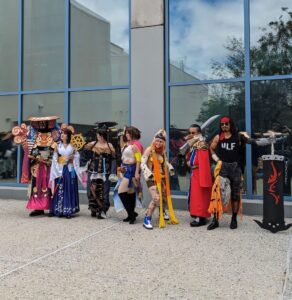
[(200, 185)]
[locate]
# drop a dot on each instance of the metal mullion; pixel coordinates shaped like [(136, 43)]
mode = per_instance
[(30, 92), (99, 88), (247, 94), (9, 93), (130, 65), (67, 62), (272, 77), (209, 81), (166, 68), (20, 82)]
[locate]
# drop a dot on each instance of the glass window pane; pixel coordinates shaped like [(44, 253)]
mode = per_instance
[(196, 104), (86, 108), (43, 105), (99, 42), (270, 37), (271, 107), (8, 150), (44, 23), (8, 45), (206, 39)]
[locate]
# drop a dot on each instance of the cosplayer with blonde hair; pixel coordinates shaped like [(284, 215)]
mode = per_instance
[(156, 169)]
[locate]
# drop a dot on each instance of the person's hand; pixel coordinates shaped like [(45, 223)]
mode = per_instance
[(137, 176)]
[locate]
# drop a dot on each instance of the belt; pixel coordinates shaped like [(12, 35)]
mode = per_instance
[(195, 167), (63, 160)]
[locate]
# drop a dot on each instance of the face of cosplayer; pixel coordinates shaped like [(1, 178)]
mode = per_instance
[(100, 138), (194, 130), (128, 136), (225, 126), (64, 138), (42, 124), (159, 144)]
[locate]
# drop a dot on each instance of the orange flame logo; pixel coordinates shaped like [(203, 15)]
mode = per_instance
[(272, 181)]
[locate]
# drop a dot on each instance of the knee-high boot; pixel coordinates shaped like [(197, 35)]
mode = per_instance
[(126, 202), (132, 204)]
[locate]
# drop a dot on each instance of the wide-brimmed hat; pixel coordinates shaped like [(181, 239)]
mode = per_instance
[(105, 125), (50, 119), (39, 119)]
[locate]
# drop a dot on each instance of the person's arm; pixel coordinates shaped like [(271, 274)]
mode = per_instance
[(190, 142), (170, 168), (213, 146), (147, 173), (89, 146), (138, 158), (112, 149)]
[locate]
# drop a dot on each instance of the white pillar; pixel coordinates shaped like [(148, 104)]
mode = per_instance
[(147, 67)]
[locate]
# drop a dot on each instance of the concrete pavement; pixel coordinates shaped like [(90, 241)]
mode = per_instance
[(86, 258)]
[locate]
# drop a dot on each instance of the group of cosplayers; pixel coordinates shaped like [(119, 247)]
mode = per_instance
[(51, 167)]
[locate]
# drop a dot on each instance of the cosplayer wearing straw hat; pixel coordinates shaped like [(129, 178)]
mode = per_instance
[(37, 140), (156, 168)]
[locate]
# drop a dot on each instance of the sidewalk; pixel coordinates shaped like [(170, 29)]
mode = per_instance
[(86, 258)]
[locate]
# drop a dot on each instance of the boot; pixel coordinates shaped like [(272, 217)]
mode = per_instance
[(36, 213), (132, 204), (125, 200), (214, 224), (200, 222), (233, 223)]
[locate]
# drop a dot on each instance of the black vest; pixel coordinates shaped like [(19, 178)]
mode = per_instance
[(229, 150)]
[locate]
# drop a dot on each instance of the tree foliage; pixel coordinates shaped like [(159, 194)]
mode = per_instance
[(271, 100)]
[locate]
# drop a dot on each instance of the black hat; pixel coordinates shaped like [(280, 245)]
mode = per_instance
[(105, 125)]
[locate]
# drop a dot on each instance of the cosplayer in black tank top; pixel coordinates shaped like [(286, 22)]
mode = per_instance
[(228, 150)]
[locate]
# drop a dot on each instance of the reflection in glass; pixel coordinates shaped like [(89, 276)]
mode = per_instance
[(196, 104), (87, 108), (206, 39), (44, 23), (99, 42), (40, 105), (8, 150), (271, 108), (9, 45), (270, 37)]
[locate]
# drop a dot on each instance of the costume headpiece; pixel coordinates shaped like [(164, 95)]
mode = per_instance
[(50, 119), (67, 127), (224, 120), (105, 125), (161, 134)]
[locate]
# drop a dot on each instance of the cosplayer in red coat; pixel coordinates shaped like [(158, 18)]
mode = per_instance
[(201, 179)]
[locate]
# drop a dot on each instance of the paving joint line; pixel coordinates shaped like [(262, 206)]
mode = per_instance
[(56, 251), (288, 262)]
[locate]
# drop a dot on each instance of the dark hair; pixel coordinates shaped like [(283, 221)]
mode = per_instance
[(68, 132), (233, 129), (134, 132), (196, 126), (103, 133)]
